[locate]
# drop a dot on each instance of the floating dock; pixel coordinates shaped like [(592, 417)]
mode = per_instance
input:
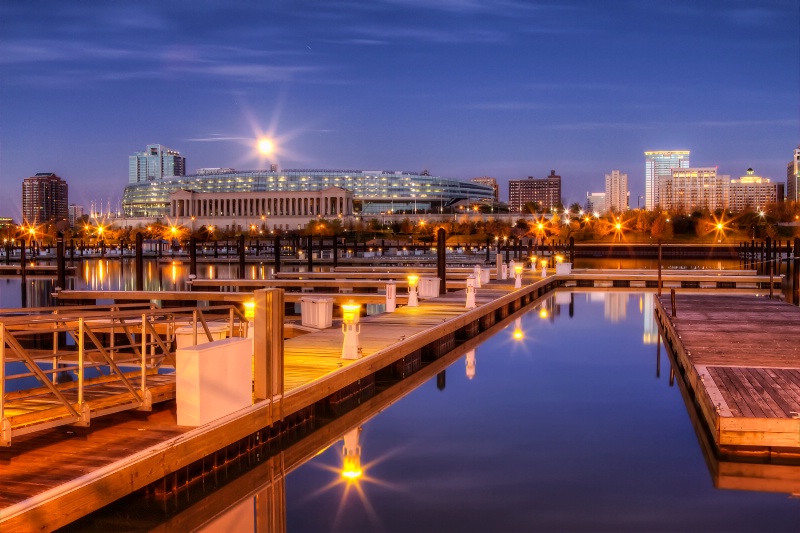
[(740, 359)]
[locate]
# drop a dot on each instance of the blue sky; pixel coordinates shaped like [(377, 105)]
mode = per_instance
[(463, 88)]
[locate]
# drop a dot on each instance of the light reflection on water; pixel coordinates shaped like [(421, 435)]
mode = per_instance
[(559, 421)]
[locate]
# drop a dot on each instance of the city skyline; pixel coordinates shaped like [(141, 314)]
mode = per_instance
[(461, 88)]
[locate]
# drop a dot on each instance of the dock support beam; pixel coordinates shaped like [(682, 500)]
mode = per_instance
[(61, 266), (268, 348)]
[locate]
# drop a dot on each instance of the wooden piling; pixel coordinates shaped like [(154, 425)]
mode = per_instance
[(572, 251), (193, 256), (139, 262), (796, 273), (268, 348), (23, 275), (441, 264), (310, 253), (659, 267), (241, 257), (276, 248), (672, 301), (335, 251), (61, 267)]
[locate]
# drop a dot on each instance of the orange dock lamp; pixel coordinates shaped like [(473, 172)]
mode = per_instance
[(351, 329), (518, 279), (534, 260), (412, 291), (544, 267)]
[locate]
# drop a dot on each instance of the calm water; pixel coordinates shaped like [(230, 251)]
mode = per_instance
[(566, 429)]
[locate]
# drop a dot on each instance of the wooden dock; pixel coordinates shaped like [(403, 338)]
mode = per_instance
[(82, 469), (740, 358)]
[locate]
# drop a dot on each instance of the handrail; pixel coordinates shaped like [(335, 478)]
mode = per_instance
[(150, 336)]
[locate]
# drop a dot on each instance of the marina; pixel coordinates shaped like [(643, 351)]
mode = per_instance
[(162, 457)]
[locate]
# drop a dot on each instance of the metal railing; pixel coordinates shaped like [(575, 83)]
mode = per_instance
[(90, 361)]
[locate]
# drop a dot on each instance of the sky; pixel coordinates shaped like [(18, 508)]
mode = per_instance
[(462, 88)]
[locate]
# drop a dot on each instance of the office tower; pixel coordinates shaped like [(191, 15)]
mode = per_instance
[(546, 192), (595, 203), (751, 191), (154, 163), (793, 177), (491, 182), (76, 212), (657, 168), (617, 193), (44, 199), (690, 189)]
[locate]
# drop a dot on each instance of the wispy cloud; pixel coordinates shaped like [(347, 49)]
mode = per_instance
[(504, 106), (744, 123), (219, 137), (589, 126)]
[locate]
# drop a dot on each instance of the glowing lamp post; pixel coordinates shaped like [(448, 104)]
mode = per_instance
[(351, 329), (412, 291), (518, 276), (250, 310), (533, 264), (471, 292), (544, 268)]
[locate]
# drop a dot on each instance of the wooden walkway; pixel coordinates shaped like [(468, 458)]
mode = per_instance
[(740, 355), (81, 469)]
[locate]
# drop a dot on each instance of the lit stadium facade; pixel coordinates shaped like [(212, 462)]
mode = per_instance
[(374, 192)]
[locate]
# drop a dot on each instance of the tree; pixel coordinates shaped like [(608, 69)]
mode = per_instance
[(661, 228), (575, 208)]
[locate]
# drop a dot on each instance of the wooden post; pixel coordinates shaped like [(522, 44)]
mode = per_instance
[(335, 251), (441, 262), (276, 249), (768, 254), (572, 251), (796, 273), (102, 248), (8, 252), (193, 256), (61, 266), (309, 252), (506, 246), (241, 256), (72, 252), (139, 262), (659, 267), (488, 249), (23, 278), (672, 302), (268, 348)]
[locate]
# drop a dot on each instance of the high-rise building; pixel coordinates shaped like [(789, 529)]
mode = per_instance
[(751, 191), (690, 189), (154, 163), (76, 212), (44, 199), (491, 182), (595, 203), (546, 192), (657, 168), (617, 193), (793, 177)]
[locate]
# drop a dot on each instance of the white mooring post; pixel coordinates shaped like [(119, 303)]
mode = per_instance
[(351, 328), (518, 277), (412, 291), (477, 273), (391, 296), (544, 268), (504, 271), (471, 293)]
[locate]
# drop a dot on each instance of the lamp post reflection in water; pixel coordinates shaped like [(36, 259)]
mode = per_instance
[(351, 455)]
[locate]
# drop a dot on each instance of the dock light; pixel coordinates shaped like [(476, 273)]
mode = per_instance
[(534, 260), (351, 329), (544, 268), (720, 226), (250, 309), (518, 279), (412, 290), (471, 293), (540, 226), (559, 259)]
